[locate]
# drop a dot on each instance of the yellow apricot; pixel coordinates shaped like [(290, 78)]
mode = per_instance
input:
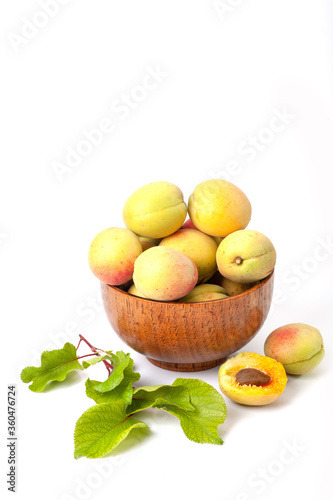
[(134, 291), (163, 273), (204, 292), (246, 256), (112, 254), (198, 247), (299, 347), (155, 210), (218, 208), (252, 379), (233, 288), (148, 242)]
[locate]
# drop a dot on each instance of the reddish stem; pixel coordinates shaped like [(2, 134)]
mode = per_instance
[(85, 356), (107, 364)]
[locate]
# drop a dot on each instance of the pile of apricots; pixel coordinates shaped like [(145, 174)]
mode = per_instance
[(161, 256)]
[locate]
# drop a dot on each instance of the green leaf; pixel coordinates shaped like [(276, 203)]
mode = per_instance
[(120, 361), (99, 397), (210, 411), (157, 396), (123, 391), (125, 388), (101, 428), (93, 361), (54, 366)]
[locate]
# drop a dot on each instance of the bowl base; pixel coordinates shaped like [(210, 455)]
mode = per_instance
[(187, 367)]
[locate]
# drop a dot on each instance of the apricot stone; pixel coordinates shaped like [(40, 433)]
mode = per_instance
[(163, 273), (246, 256), (197, 246), (112, 254), (252, 379), (155, 210), (202, 293), (299, 347), (218, 207)]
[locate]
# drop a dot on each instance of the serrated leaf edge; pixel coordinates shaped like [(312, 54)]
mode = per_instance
[(59, 379), (138, 423)]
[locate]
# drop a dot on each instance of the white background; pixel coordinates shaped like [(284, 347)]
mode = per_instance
[(225, 77)]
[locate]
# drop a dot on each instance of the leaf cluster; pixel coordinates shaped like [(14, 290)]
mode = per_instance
[(197, 405)]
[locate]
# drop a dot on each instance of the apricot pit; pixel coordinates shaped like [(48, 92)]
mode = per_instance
[(252, 376), (252, 379)]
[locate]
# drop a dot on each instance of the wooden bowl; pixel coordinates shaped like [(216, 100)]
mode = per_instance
[(188, 337)]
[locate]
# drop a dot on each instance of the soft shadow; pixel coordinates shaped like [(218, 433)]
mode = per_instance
[(72, 378), (132, 441), (235, 414)]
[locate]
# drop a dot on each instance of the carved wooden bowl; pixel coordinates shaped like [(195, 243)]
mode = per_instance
[(188, 337)]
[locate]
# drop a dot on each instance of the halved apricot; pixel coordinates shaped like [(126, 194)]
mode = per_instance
[(252, 379)]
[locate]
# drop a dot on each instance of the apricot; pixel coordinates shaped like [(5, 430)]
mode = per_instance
[(217, 239), (252, 379), (148, 242), (112, 254), (155, 210), (246, 256), (202, 293), (197, 246), (163, 273), (218, 208), (299, 347), (134, 291), (232, 288), (188, 224)]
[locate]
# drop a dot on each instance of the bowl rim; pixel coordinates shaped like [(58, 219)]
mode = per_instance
[(195, 304)]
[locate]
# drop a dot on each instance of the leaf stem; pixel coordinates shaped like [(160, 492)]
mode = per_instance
[(84, 356), (107, 364)]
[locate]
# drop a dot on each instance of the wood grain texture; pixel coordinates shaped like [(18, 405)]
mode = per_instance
[(188, 337)]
